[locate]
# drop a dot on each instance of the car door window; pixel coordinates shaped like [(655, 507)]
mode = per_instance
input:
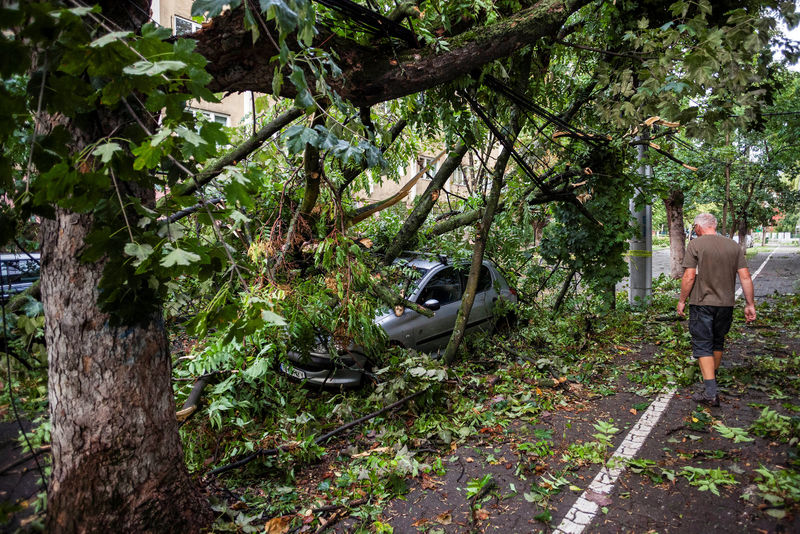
[(445, 286), (484, 279)]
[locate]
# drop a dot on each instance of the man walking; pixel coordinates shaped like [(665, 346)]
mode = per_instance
[(711, 264)]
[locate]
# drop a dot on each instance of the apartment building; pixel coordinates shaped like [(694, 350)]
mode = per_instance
[(176, 15)]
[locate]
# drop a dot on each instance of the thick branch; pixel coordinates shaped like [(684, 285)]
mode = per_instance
[(242, 151), (481, 237), (456, 221), (371, 75), (371, 209), (312, 166), (417, 217), (323, 438)]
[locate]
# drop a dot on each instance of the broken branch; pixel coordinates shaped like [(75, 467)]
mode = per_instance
[(321, 439)]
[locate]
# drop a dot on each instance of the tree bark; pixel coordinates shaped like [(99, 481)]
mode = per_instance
[(371, 75), (673, 204), (743, 233), (481, 237), (563, 293), (312, 166), (117, 459), (727, 190), (456, 221)]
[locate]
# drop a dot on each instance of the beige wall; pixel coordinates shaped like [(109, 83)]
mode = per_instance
[(237, 106), (388, 188)]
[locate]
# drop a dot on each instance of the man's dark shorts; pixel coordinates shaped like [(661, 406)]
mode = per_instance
[(708, 326)]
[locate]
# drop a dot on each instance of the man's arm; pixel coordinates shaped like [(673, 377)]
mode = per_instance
[(687, 282), (749, 294)]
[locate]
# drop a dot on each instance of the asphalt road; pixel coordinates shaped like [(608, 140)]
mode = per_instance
[(781, 274)]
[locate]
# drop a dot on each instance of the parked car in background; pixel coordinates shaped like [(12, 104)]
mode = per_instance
[(748, 241), (17, 273), (438, 285)]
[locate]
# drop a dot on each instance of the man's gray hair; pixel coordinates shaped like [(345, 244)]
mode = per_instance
[(706, 220)]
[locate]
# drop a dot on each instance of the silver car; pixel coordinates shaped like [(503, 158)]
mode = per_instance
[(437, 285), (17, 273)]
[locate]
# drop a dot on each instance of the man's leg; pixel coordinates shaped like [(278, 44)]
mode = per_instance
[(723, 318), (701, 328), (708, 366), (708, 370)]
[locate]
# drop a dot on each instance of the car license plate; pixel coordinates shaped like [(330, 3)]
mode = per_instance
[(291, 371)]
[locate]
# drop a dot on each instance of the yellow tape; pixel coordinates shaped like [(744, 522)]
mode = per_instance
[(639, 253)]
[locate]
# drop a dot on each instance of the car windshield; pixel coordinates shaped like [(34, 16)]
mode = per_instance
[(407, 282), (410, 279)]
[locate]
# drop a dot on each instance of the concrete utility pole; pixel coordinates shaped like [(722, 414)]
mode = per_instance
[(640, 256)]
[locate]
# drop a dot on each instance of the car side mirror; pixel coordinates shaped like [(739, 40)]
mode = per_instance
[(432, 304)]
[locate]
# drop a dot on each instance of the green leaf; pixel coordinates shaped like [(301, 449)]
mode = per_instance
[(298, 78), (544, 517), (179, 257), (106, 151), (326, 139), (776, 513), (212, 8), (287, 18), (347, 152), (272, 318), (140, 252), (298, 136), (160, 136), (258, 369), (146, 156), (108, 39), (277, 81), (148, 68), (190, 136), (77, 11), (304, 99)]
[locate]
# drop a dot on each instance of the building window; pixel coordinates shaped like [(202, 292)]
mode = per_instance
[(183, 26), (458, 176), (423, 162), (221, 118)]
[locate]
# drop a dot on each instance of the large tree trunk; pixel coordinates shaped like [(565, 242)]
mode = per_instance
[(369, 76), (117, 459), (677, 237), (743, 233)]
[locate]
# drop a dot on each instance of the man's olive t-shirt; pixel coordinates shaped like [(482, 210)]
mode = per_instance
[(716, 259)]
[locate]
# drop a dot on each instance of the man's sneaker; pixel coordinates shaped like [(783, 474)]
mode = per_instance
[(700, 398)]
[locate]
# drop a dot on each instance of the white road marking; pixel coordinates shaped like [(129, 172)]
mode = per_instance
[(584, 510), (739, 291)]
